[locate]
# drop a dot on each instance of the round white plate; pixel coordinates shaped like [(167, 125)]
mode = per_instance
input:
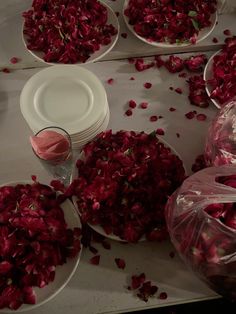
[(63, 272), (207, 75), (68, 96), (98, 228), (204, 33), (97, 55)]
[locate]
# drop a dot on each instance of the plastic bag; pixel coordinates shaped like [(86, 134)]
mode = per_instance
[(196, 216), (220, 145)]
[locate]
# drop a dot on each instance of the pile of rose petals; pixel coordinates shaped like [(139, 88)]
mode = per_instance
[(67, 31), (223, 81), (124, 181), (34, 239), (170, 21)]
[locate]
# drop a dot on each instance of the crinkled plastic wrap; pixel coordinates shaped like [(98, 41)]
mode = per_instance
[(206, 243), (220, 148)]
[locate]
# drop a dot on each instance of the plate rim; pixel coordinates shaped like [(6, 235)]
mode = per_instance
[(27, 307), (89, 60)]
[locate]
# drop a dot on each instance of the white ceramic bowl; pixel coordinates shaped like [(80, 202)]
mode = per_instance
[(203, 34), (63, 272), (97, 55)]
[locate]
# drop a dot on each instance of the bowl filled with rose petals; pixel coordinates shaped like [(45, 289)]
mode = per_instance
[(69, 31), (121, 184), (39, 244), (220, 74), (201, 220), (168, 23)]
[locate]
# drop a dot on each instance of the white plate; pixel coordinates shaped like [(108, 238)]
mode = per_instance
[(204, 33), (97, 55), (63, 272), (207, 75), (98, 228), (68, 96)]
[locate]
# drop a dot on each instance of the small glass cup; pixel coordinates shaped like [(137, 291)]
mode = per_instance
[(59, 167)]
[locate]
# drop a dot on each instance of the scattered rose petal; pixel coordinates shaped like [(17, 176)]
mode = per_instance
[(183, 74), (171, 88), (146, 291), (147, 85), (160, 132), (95, 260), (197, 91), (171, 109), (137, 280), (129, 112), (106, 245), (120, 263), (141, 66), (132, 103), (110, 81), (160, 117), (178, 90), (163, 296), (215, 40), (153, 118), (201, 117), (174, 64), (196, 63), (34, 178), (172, 254), (124, 35), (132, 78), (14, 60), (227, 32), (144, 105), (190, 115), (131, 60), (177, 134), (6, 70)]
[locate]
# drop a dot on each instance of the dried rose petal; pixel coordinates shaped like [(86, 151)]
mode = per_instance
[(201, 117), (6, 70), (141, 66), (124, 35), (174, 64), (132, 103), (190, 115), (197, 91), (183, 74), (129, 112), (160, 132), (163, 296), (153, 118), (110, 81), (171, 109), (147, 85), (106, 245), (178, 90), (95, 260), (177, 134), (144, 105), (146, 291), (120, 263), (196, 63), (172, 254), (14, 60), (132, 78), (227, 32), (137, 280)]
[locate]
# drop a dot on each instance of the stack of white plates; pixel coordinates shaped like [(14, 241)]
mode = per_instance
[(67, 96)]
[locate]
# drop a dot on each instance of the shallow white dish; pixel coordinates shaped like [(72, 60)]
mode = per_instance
[(104, 49), (207, 75), (68, 96), (64, 272), (98, 228), (204, 33)]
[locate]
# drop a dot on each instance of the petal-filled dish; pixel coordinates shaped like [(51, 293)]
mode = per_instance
[(168, 23), (69, 31), (122, 183), (39, 244)]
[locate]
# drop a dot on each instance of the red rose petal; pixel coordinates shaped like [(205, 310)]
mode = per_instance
[(95, 260), (110, 81), (227, 32), (14, 60), (5, 70), (171, 109), (132, 78), (132, 103), (183, 74), (160, 132), (124, 35), (147, 85), (144, 105), (129, 112), (153, 118), (201, 117), (163, 296), (178, 90), (106, 245), (190, 115), (120, 263), (137, 280), (215, 40), (177, 134)]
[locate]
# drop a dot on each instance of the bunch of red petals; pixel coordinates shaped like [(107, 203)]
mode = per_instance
[(34, 239), (67, 31), (223, 82), (124, 181), (197, 92), (170, 21)]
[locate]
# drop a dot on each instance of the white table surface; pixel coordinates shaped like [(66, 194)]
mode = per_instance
[(102, 289)]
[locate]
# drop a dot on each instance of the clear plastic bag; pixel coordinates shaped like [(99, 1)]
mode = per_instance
[(220, 145), (196, 216)]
